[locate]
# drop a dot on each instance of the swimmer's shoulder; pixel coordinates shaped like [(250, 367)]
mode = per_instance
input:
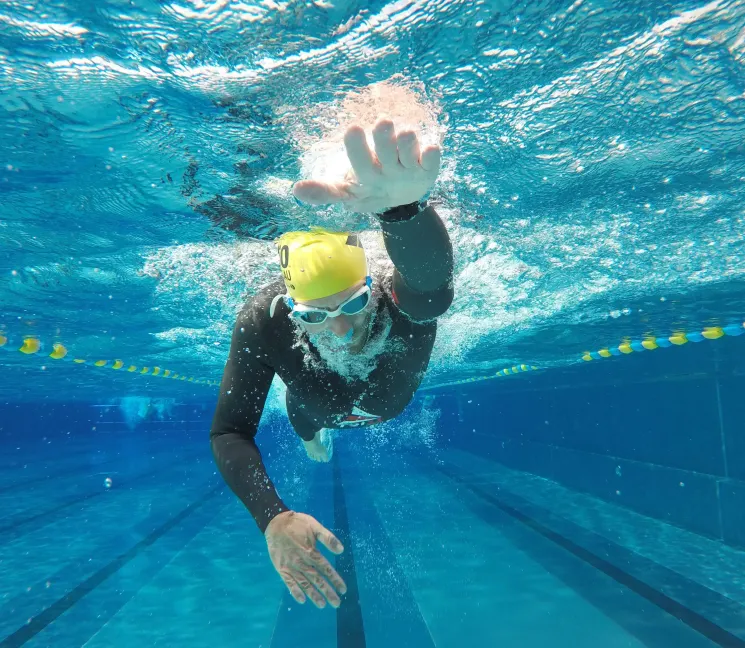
[(255, 317)]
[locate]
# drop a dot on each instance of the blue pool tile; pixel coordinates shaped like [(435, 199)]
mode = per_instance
[(731, 390), (674, 424), (683, 498)]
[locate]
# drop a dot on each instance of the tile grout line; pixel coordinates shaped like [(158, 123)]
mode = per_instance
[(725, 462)]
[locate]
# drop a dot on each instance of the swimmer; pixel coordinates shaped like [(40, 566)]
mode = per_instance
[(326, 313)]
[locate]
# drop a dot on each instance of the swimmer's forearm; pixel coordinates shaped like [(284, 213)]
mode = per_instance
[(239, 461), (421, 250)]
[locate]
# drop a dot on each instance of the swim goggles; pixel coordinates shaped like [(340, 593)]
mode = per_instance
[(356, 303)]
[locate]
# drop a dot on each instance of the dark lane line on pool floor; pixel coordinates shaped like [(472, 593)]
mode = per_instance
[(644, 631), (38, 623), (396, 606), (65, 570), (350, 632)]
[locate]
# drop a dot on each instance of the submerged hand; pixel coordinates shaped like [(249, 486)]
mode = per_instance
[(397, 173), (291, 538)]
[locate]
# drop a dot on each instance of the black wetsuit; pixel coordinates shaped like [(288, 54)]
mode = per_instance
[(419, 290)]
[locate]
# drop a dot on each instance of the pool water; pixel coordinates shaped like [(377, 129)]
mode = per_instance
[(571, 471), (124, 534)]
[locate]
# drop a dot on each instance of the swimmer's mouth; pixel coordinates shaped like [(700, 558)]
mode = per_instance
[(336, 342), (347, 342)]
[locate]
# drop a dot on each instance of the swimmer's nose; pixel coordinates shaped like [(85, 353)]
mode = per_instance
[(340, 326)]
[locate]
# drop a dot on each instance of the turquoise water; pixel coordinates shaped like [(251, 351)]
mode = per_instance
[(571, 471)]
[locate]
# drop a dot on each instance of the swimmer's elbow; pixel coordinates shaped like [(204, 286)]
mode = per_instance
[(423, 306), (441, 301), (226, 430)]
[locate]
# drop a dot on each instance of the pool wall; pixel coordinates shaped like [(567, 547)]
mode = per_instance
[(662, 432)]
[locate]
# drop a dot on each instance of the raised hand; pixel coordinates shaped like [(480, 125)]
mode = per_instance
[(396, 173)]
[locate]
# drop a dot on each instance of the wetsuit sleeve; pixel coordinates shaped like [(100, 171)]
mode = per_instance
[(304, 427), (245, 384), (420, 248)]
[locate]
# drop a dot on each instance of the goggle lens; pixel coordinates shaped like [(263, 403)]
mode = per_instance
[(356, 305), (313, 317), (352, 307)]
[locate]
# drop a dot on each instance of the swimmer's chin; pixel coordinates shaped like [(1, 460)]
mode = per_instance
[(351, 348), (354, 350)]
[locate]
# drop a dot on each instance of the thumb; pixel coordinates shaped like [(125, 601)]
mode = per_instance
[(314, 192), (328, 539)]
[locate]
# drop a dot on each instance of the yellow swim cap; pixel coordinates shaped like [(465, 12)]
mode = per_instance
[(320, 263)]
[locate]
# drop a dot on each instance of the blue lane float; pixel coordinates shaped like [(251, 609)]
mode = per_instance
[(678, 338)]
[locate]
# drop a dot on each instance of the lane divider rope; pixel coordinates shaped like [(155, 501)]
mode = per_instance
[(30, 345), (679, 338), (648, 343)]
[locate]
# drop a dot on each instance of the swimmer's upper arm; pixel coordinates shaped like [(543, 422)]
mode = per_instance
[(245, 382)]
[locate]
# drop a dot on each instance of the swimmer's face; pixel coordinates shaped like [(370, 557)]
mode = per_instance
[(346, 332)]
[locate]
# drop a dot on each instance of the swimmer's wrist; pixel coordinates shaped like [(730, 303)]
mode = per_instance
[(403, 213), (278, 521)]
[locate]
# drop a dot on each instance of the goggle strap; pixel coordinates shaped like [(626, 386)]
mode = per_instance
[(273, 306)]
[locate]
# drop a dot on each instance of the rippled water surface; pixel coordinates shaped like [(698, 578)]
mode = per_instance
[(593, 174)]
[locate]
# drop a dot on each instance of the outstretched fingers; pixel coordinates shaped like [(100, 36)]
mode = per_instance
[(324, 567), (293, 586), (363, 161), (408, 149), (322, 585), (303, 583), (319, 562)]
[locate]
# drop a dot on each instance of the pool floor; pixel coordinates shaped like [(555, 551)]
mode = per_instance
[(442, 549)]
